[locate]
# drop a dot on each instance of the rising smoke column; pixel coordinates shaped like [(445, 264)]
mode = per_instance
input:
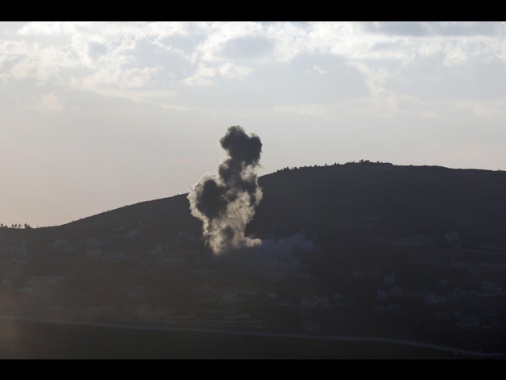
[(226, 202)]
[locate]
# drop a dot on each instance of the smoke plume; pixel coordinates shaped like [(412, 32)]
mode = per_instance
[(226, 201)]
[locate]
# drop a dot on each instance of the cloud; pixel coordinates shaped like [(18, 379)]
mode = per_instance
[(411, 29), (203, 75), (429, 29), (462, 29), (319, 70), (225, 41), (455, 54), (51, 102), (232, 71), (488, 109), (246, 48), (117, 78), (384, 101), (119, 58)]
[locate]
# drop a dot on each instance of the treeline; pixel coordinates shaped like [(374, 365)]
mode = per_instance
[(16, 225), (362, 161)]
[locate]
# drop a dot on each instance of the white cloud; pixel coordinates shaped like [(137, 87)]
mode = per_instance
[(233, 71), (51, 102), (290, 40), (106, 30), (228, 70), (338, 39), (120, 79), (455, 55), (198, 80), (384, 101), (202, 76), (22, 59), (111, 57), (49, 28), (219, 35), (488, 109), (319, 70)]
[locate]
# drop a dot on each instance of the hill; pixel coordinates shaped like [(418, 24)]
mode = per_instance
[(353, 202), (376, 250)]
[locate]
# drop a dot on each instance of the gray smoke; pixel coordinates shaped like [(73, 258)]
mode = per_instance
[(226, 201), (273, 259)]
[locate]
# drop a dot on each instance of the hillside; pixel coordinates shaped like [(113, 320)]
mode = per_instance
[(364, 201), (353, 202), (366, 249)]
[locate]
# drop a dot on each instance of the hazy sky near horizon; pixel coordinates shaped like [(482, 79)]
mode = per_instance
[(99, 115)]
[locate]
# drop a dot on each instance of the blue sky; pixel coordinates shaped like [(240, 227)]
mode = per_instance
[(98, 115)]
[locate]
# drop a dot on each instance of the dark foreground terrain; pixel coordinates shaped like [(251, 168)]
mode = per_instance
[(42, 340)]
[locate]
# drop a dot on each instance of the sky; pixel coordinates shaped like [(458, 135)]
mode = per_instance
[(99, 115)]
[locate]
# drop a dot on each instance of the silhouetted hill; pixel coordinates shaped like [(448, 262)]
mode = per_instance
[(375, 250), (363, 201), (354, 202)]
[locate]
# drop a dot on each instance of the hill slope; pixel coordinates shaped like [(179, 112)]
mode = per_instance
[(365, 249), (360, 201)]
